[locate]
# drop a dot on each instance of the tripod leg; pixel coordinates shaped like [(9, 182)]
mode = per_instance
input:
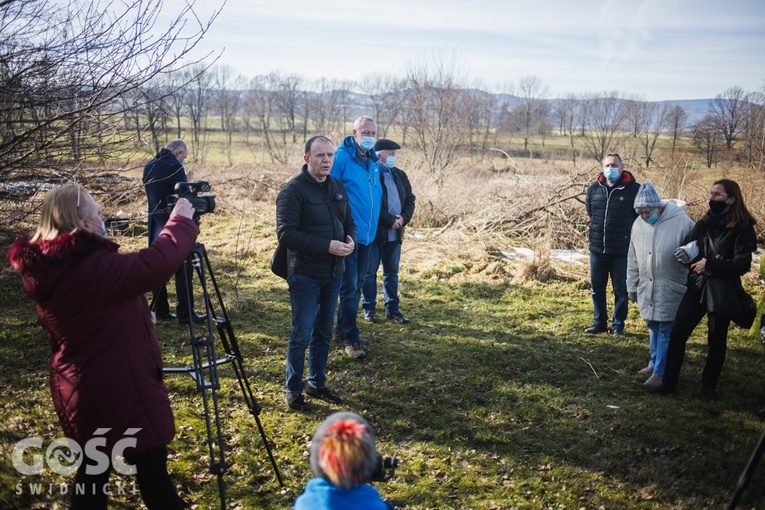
[(746, 476), (231, 348)]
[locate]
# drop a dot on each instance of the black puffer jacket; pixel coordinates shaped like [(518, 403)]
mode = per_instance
[(309, 215), (731, 256), (612, 213)]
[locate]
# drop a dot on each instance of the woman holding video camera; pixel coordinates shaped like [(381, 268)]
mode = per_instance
[(105, 364)]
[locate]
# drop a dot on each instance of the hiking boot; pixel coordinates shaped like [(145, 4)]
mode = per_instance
[(370, 316), (645, 371), (653, 381), (596, 328), (323, 394), (398, 318), (296, 402), (355, 350), (618, 333)]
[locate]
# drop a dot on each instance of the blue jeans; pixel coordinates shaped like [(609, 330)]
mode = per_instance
[(356, 265), (313, 311), (659, 341), (601, 267), (390, 255)]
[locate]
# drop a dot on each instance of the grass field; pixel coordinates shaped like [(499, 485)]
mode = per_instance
[(492, 398)]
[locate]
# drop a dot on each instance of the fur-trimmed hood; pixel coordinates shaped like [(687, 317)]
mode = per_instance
[(43, 262)]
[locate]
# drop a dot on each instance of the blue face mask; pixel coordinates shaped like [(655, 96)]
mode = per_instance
[(390, 162), (103, 229), (367, 142), (611, 173), (653, 219)]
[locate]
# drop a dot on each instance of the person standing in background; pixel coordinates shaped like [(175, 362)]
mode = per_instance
[(396, 212), (610, 207)]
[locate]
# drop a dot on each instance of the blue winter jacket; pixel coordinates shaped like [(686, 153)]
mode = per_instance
[(320, 494), (362, 182)]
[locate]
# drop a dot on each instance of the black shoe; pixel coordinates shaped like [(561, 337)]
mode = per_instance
[(663, 389), (618, 333), (370, 316), (296, 402), (709, 394), (324, 394), (761, 413), (338, 336), (198, 319), (166, 316), (596, 328), (398, 318)]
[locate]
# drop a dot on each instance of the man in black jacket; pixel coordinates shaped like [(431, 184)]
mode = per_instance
[(396, 211), (160, 175), (610, 206), (314, 222)]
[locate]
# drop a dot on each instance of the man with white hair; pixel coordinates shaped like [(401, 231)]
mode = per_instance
[(356, 165)]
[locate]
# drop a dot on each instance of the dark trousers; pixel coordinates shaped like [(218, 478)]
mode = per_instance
[(185, 299), (689, 314), (157, 489)]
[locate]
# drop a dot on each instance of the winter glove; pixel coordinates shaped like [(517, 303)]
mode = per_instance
[(633, 297), (685, 254)]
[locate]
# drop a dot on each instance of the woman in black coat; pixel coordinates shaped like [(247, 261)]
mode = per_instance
[(725, 239)]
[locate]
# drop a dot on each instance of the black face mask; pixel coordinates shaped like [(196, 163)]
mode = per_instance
[(717, 206)]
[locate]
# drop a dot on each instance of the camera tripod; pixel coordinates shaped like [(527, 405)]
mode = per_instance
[(204, 370), (746, 476)]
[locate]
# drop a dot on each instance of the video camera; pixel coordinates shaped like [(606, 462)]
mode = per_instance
[(203, 203), (385, 468)]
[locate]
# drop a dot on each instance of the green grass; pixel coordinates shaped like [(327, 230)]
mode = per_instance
[(492, 398)]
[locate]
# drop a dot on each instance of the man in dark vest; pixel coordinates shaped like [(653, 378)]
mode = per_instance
[(609, 205)]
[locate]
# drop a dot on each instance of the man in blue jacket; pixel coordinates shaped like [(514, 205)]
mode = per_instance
[(609, 205), (357, 167), (160, 175)]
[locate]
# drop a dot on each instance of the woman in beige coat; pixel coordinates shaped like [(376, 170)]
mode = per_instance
[(655, 279)]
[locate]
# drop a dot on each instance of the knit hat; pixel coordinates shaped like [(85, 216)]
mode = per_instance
[(647, 197)]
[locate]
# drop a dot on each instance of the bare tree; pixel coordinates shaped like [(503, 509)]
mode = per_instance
[(437, 106), (531, 111), (728, 109), (64, 67), (754, 129), (229, 98), (708, 138), (606, 120), (676, 119), (384, 90), (649, 121)]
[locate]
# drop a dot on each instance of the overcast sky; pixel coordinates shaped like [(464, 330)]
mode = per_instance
[(655, 49)]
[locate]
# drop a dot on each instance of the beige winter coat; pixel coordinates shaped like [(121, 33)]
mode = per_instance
[(652, 270)]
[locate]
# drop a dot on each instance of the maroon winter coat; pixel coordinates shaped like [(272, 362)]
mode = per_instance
[(105, 364)]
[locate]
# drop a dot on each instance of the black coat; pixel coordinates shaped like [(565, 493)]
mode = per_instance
[(386, 220), (734, 247), (612, 213), (309, 215), (160, 176)]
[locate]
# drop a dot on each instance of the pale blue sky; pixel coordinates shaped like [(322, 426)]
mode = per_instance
[(655, 49)]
